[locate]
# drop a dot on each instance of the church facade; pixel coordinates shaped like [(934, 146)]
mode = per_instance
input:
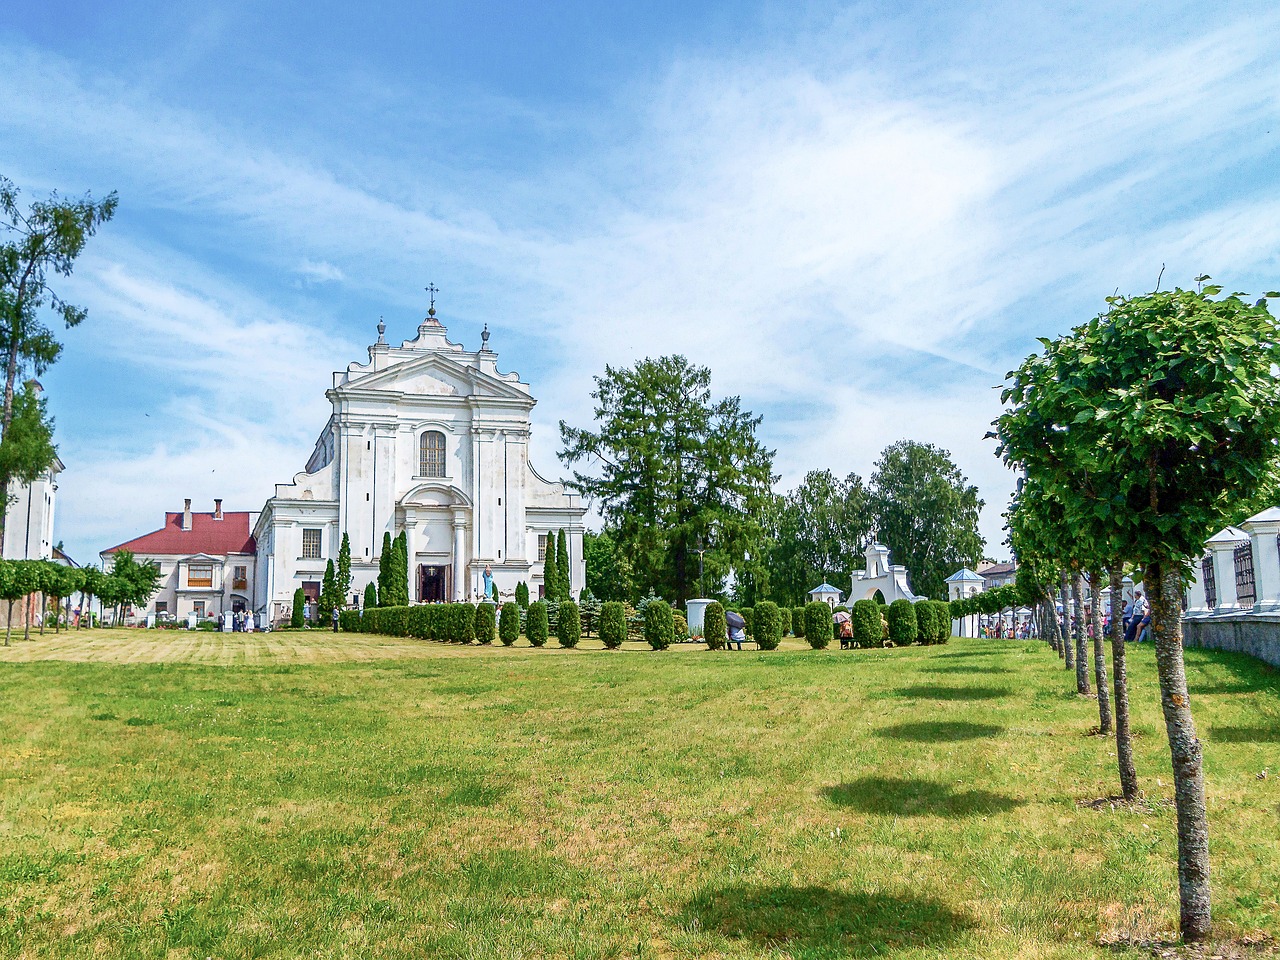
[(430, 439)]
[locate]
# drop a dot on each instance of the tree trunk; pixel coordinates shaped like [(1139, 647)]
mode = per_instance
[(57, 617), (1082, 640), (8, 627), (1055, 631), (1068, 645), (44, 611), (1124, 746), (1164, 591), (26, 627), (1099, 651)]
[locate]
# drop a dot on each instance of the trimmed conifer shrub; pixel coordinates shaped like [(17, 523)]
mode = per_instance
[(768, 625), (485, 622), (785, 614), (298, 616), (569, 627), (924, 622), (866, 624), (522, 595), (714, 629), (749, 615), (464, 622), (681, 626), (613, 624), (902, 623), (349, 621), (659, 627), (797, 621), (370, 595), (536, 628), (509, 623), (941, 621), (817, 624)]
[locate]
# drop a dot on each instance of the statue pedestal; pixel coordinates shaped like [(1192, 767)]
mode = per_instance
[(694, 612)]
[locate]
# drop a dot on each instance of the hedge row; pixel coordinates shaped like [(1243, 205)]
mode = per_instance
[(450, 622)]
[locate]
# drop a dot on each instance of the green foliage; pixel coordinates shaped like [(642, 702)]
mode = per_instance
[(767, 624), (342, 576), (925, 627), (485, 623), (941, 621), (569, 625), (714, 629), (349, 621), (749, 614), (26, 449), (550, 571), (522, 595), (613, 624), (509, 623), (328, 594), (400, 580), (902, 623), (462, 627), (867, 630), (681, 626), (817, 624), (816, 534), (386, 572), (608, 571), (536, 628), (563, 577), (298, 616), (370, 595), (797, 621), (785, 614), (659, 627), (926, 513), (675, 470)]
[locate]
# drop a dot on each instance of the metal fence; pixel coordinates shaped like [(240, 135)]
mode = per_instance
[(1210, 587), (1245, 591)]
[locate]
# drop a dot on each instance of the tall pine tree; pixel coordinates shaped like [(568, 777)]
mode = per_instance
[(386, 561), (562, 567)]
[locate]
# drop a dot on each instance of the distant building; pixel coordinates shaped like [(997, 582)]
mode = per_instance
[(998, 574), (825, 593), (206, 562), (28, 520)]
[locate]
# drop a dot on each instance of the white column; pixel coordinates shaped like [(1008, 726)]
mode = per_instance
[(1223, 548), (1196, 605), (1263, 530), (461, 578)]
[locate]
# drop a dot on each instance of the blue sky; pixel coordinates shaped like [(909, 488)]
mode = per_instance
[(858, 215)]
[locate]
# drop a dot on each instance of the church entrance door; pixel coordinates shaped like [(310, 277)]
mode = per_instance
[(431, 583)]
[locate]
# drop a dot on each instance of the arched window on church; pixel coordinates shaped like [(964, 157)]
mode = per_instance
[(432, 450)]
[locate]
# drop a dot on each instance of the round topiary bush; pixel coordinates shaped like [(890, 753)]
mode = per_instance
[(509, 623), (902, 623), (941, 621), (866, 624), (659, 627), (797, 622), (924, 622), (768, 625), (714, 629), (536, 627), (613, 624), (817, 624), (485, 622), (785, 614), (569, 629), (680, 626)]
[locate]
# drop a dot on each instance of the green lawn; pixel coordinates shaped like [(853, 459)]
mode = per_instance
[(312, 795)]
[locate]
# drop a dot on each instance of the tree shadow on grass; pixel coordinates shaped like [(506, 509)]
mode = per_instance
[(970, 653), (981, 668), (899, 796), (940, 730), (821, 922), (1244, 734), (934, 692)]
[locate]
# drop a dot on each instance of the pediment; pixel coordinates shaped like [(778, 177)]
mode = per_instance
[(439, 376)]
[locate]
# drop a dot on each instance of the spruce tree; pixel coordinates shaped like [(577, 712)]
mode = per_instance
[(563, 580), (343, 577), (370, 595), (385, 561)]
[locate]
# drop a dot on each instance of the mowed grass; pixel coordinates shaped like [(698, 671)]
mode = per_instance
[(174, 795)]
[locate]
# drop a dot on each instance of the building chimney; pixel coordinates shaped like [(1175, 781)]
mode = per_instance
[(186, 514), (217, 509)]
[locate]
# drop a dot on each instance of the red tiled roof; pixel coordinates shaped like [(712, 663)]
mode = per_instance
[(231, 534)]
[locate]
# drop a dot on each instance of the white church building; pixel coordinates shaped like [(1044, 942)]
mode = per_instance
[(430, 439)]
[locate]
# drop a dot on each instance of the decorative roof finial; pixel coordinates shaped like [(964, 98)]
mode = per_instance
[(432, 289), (484, 337), (382, 331)]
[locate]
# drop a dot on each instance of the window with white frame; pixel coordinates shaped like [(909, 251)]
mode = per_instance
[(431, 449), (310, 543), (542, 546)]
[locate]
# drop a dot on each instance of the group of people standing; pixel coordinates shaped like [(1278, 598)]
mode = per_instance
[(238, 622)]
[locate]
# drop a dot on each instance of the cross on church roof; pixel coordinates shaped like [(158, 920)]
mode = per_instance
[(432, 289)]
